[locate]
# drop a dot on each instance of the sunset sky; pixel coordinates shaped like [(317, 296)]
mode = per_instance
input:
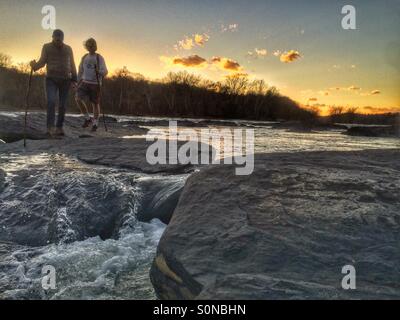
[(297, 46)]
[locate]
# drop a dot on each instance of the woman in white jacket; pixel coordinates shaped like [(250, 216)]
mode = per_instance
[(92, 70)]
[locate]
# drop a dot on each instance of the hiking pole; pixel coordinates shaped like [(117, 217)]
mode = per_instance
[(99, 94), (28, 91)]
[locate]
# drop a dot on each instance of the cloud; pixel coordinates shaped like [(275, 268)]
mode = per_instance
[(192, 61), (354, 88), (369, 109), (312, 99), (195, 61), (189, 42), (257, 53), (261, 52), (290, 56), (226, 64), (201, 39), (186, 44), (375, 92), (277, 53), (233, 27)]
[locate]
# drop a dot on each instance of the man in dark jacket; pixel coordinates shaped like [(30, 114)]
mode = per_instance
[(61, 73)]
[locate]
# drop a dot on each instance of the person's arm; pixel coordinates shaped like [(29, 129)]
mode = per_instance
[(102, 67), (42, 61), (73, 67), (80, 72)]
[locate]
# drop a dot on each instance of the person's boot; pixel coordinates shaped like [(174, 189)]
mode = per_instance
[(87, 123), (94, 128), (60, 132)]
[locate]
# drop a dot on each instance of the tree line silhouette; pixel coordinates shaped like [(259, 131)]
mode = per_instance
[(180, 94)]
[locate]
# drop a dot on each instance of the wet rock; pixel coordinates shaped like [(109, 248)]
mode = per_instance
[(12, 127), (286, 231), (104, 148)]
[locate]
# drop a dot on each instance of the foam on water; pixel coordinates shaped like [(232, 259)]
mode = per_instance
[(89, 269), (75, 198)]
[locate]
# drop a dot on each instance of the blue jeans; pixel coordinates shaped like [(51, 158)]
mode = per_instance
[(56, 87)]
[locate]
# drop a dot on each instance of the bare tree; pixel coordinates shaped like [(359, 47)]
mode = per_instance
[(5, 60)]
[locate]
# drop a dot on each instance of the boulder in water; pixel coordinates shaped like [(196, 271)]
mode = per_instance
[(287, 230)]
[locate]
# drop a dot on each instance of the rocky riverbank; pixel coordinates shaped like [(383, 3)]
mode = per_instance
[(284, 232)]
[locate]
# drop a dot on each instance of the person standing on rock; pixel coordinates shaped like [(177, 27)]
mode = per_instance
[(92, 70), (61, 73)]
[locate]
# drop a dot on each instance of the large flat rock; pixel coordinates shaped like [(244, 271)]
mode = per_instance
[(286, 231), (109, 148), (12, 127)]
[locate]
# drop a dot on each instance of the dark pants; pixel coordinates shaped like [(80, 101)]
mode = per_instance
[(56, 87)]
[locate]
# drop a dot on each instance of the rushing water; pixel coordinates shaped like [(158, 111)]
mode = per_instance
[(111, 265), (95, 256), (270, 140)]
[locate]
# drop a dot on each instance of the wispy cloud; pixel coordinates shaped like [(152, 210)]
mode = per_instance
[(341, 68), (189, 42), (186, 44), (277, 53), (369, 109), (258, 53), (233, 27)]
